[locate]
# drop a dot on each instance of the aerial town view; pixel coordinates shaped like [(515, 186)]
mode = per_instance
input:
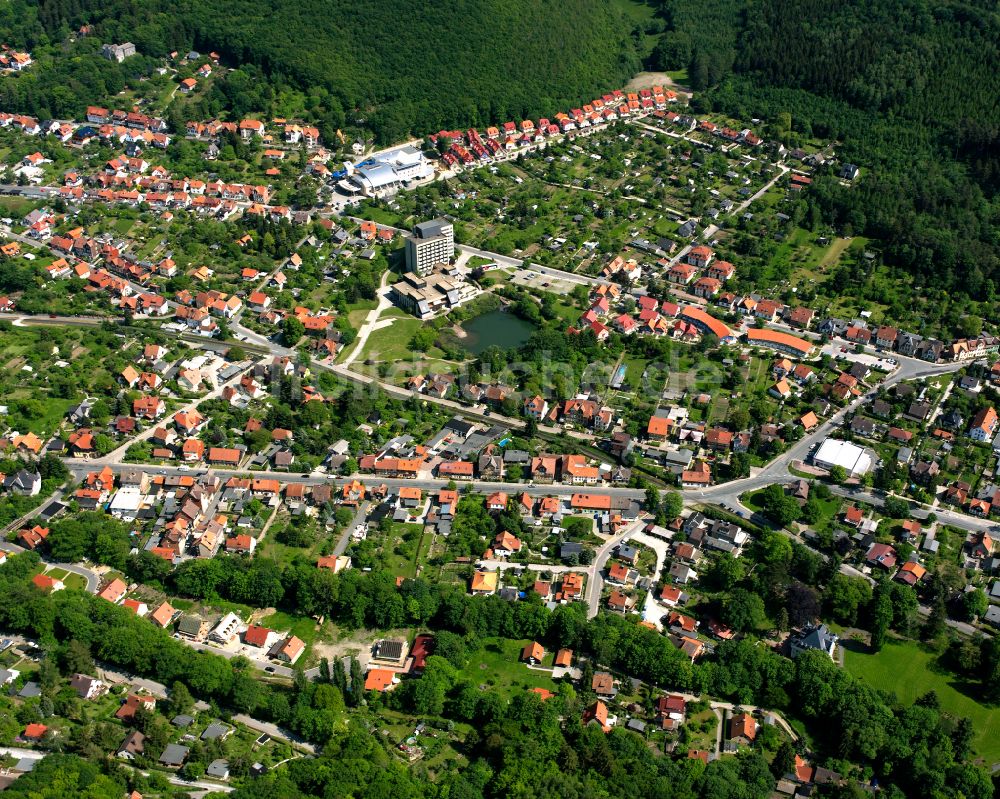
[(537, 400)]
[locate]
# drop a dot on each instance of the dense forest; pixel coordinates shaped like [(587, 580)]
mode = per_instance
[(907, 87), (400, 67)]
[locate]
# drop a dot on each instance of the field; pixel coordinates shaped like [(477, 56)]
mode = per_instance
[(301, 626), (392, 343), (497, 664), (909, 671)]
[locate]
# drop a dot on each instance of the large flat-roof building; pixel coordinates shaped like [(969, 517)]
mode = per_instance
[(387, 173), (432, 243), (833, 452), (427, 295)]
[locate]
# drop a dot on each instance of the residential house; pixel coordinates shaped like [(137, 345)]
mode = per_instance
[(984, 425), (533, 653), (816, 637), (743, 728)]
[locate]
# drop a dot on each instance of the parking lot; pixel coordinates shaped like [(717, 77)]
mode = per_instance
[(530, 278)]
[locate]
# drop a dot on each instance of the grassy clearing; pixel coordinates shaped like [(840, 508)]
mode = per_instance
[(909, 671), (703, 729), (834, 251), (497, 664), (392, 343), (300, 626), (634, 371), (400, 552), (382, 216), (635, 10)]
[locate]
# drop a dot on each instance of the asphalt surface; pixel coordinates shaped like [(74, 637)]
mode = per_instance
[(426, 484)]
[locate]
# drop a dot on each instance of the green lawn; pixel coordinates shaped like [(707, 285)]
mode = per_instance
[(51, 413), (300, 626), (703, 729), (753, 501), (400, 551), (909, 671), (633, 374), (392, 343), (382, 216), (497, 664)]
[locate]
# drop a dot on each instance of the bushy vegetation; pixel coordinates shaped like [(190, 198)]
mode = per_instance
[(518, 744), (907, 86), (444, 64)]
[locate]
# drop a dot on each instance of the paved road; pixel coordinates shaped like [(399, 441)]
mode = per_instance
[(425, 484), (554, 568), (152, 687), (345, 537), (173, 779), (201, 787), (13, 751), (595, 579), (652, 610), (31, 320), (777, 471), (202, 646), (116, 455), (507, 260), (93, 581)]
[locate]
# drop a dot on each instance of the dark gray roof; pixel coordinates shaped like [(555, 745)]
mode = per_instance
[(215, 730), (218, 768), (816, 638), (189, 625), (31, 689), (431, 228), (81, 683), (174, 755), (627, 552), (459, 426)]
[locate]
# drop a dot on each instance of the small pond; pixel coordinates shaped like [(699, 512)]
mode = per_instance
[(496, 328)]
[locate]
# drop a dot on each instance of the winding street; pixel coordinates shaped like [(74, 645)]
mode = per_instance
[(93, 581), (595, 578)]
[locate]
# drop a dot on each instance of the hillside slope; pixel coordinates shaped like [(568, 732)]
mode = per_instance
[(909, 87), (403, 66)]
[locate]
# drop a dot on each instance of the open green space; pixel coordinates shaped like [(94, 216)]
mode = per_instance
[(76, 581), (300, 626), (497, 665), (909, 671), (392, 343)]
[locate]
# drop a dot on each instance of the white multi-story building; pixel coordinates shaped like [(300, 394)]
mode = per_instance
[(431, 243)]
